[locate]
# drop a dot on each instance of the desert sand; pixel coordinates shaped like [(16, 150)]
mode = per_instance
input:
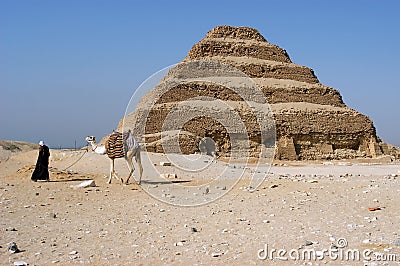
[(299, 206)]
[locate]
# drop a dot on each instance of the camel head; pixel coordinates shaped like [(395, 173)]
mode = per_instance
[(91, 139)]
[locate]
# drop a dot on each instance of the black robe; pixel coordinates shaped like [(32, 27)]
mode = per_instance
[(41, 171)]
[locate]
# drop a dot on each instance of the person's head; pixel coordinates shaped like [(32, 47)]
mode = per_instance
[(41, 143)]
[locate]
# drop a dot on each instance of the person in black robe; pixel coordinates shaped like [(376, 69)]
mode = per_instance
[(41, 171)]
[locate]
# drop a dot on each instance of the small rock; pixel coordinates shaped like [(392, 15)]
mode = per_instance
[(162, 210), (168, 176), (309, 243), (273, 186), (165, 163), (266, 221), (366, 241), (214, 254), (193, 230), (85, 184), (20, 263), (13, 248), (73, 252), (178, 244), (313, 181)]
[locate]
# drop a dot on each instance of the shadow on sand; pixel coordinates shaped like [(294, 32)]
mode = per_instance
[(165, 182), (70, 180)]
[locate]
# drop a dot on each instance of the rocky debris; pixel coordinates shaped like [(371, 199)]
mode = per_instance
[(303, 109), (20, 263), (85, 184), (168, 176), (13, 248)]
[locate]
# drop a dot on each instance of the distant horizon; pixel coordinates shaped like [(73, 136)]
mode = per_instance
[(69, 68)]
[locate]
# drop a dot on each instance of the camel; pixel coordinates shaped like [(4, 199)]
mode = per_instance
[(119, 145)]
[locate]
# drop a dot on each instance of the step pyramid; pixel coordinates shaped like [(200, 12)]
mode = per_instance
[(311, 121)]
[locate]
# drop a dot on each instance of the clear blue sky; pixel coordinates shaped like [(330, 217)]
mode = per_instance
[(68, 68)]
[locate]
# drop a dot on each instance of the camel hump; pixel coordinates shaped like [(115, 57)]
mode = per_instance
[(115, 146), (119, 143)]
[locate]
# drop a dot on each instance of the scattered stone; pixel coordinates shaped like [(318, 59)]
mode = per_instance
[(85, 184), (178, 244), (168, 176), (20, 263), (309, 243), (13, 248)]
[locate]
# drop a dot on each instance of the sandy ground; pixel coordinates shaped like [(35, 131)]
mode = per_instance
[(298, 209)]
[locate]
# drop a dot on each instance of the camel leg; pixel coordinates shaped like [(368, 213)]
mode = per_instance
[(111, 171), (139, 162), (131, 167)]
